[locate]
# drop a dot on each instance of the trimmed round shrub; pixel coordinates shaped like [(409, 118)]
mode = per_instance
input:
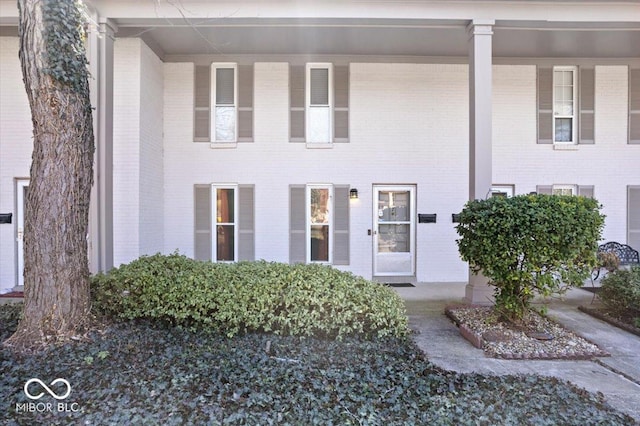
[(620, 292), (232, 298), (530, 244)]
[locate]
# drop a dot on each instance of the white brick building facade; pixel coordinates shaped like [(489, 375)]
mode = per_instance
[(408, 127)]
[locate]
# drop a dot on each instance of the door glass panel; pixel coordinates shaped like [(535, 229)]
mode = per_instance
[(393, 238), (393, 206), (394, 244), (319, 243), (225, 243)]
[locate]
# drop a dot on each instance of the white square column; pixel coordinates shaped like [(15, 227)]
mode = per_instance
[(480, 121), (101, 40)]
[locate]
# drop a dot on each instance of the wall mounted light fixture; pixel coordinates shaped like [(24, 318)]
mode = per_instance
[(353, 194)]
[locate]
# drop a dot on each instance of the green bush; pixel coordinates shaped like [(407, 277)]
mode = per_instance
[(530, 244), (242, 297), (620, 292), (10, 315)]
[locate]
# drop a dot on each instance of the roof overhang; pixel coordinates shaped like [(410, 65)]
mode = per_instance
[(596, 29)]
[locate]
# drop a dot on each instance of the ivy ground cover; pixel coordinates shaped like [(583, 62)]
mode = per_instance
[(138, 373)]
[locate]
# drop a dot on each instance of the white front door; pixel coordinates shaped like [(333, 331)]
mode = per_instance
[(21, 199), (394, 230)]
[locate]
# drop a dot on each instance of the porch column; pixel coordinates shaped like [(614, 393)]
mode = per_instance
[(101, 86), (480, 178)]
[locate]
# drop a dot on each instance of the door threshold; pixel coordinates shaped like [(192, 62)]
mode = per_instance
[(397, 280)]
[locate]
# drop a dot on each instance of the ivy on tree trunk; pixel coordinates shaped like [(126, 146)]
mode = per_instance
[(56, 273)]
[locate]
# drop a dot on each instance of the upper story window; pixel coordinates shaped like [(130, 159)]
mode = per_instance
[(223, 104), (224, 126), (564, 104), (319, 103)]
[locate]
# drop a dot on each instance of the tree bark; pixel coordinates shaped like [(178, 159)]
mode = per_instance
[(56, 273)]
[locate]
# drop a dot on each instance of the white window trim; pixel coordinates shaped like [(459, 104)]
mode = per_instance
[(308, 224), (573, 188), (308, 106), (214, 221), (509, 190), (213, 105), (574, 121)]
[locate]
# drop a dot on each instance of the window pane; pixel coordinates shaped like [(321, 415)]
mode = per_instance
[(319, 81), (225, 124), (319, 205), (567, 78), (393, 238), (564, 130), (393, 206), (319, 243), (225, 244), (319, 124), (225, 86), (564, 108), (224, 206), (562, 191)]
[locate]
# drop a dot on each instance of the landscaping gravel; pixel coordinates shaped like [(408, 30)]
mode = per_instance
[(537, 338)]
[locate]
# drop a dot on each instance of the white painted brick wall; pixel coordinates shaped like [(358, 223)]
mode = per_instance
[(16, 145), (151, 175), (610, 165), (408, 125), (138, 151), (616, 164), (126, 149), (416, 148), (179, 155)]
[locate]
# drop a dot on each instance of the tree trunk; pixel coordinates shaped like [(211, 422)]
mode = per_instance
[(56, 273)]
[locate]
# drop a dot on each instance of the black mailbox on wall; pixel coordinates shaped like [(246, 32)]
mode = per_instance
[(5, 217), (427, 218)]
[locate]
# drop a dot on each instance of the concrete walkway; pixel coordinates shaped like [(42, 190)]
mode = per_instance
[(617, 377)]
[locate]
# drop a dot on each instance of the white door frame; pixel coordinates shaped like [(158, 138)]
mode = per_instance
[(409, 258), (21, 184)]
